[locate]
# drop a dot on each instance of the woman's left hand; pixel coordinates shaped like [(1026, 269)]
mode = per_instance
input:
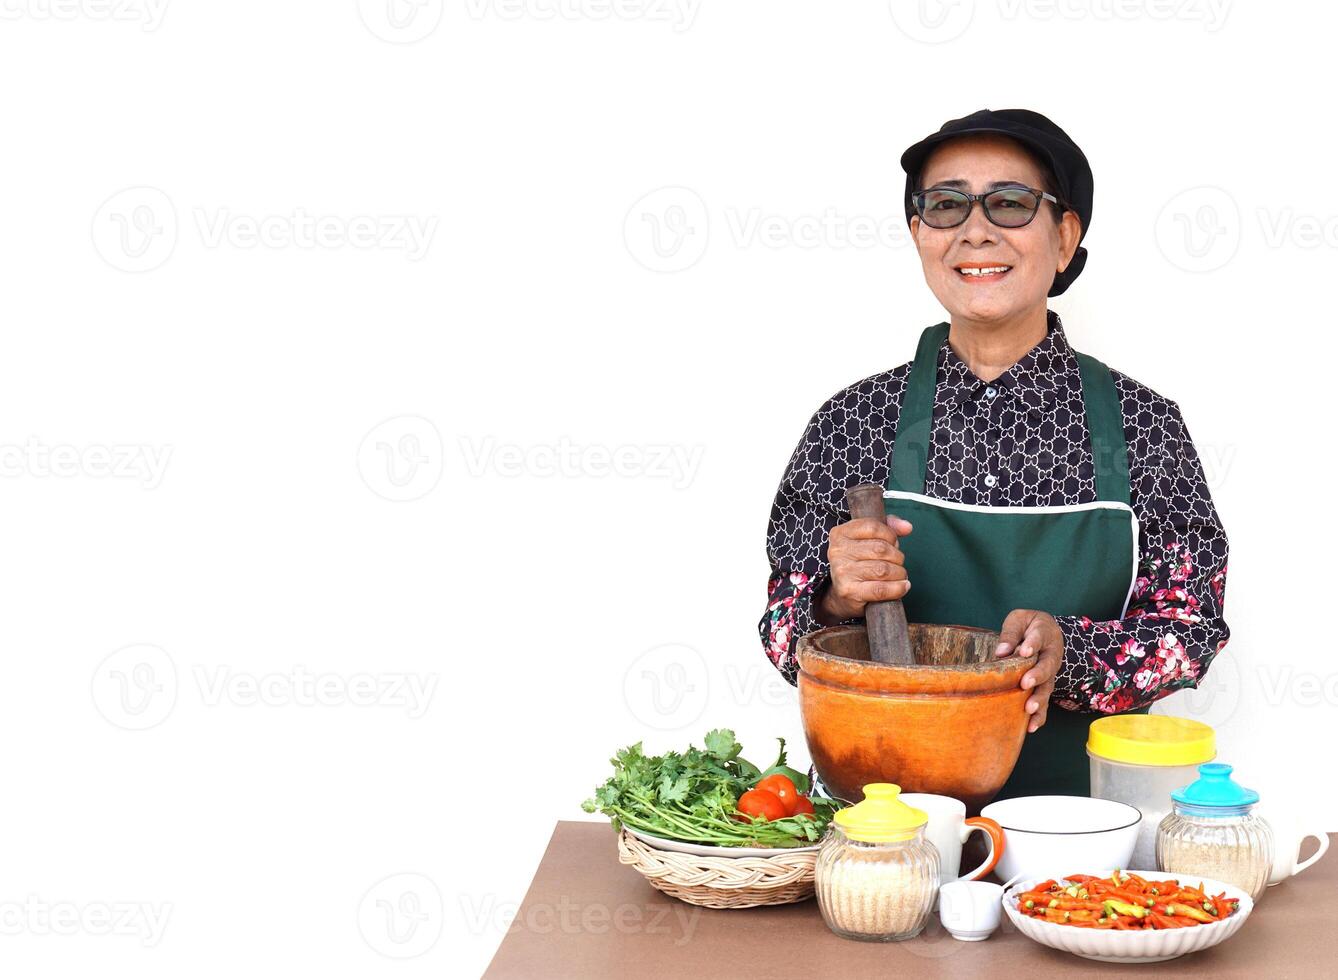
[(1034, 633)]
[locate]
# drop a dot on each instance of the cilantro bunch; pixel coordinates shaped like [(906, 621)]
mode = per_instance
[(691, 796)]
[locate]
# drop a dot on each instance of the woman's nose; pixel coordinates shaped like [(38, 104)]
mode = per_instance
[(977, 229)]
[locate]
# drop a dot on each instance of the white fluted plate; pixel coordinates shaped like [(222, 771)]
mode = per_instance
[(1130, 946)]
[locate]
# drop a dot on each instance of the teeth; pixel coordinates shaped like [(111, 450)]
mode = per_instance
[(986, 271)]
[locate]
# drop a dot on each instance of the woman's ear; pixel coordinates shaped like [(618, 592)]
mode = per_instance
[(1070, 230)]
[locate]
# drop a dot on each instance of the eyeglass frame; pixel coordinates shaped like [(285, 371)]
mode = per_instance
[(917, 198)]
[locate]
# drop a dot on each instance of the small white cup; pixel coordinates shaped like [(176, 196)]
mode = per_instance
[(970, 910)]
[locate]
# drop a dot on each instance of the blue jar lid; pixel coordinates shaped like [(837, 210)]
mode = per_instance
[(1215, 787)]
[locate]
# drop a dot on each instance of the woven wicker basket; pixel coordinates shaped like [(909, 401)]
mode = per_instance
[(722, 882)]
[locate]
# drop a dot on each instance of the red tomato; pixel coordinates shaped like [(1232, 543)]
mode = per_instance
[(802, 805), (782, 787), (761, 803)]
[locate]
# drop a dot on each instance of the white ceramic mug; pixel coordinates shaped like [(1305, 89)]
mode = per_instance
[(1288, 834), (948, 830)]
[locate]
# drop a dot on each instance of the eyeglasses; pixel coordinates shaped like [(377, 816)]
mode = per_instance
[(1007, 207)]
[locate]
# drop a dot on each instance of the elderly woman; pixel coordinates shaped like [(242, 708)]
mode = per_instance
[(1030, 489)]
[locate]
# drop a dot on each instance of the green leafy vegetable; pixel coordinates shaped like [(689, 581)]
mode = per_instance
[(691, 796)]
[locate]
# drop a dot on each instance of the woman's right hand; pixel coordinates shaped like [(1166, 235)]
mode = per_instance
[(866, 566)]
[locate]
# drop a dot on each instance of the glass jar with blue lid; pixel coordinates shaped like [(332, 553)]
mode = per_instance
[(1212, 832)]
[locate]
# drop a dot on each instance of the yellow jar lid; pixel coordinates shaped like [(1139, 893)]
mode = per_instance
[(880, 817), (1151, 740)]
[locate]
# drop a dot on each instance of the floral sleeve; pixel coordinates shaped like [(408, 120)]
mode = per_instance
[(1174, 625), (846, 442), (797, 547)]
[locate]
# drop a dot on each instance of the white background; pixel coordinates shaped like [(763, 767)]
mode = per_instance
[(520, 370)]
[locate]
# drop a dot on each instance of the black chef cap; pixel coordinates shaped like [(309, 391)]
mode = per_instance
[(1046, 140)]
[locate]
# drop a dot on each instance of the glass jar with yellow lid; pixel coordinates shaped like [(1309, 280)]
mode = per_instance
[(876, 875), (1140, 760)]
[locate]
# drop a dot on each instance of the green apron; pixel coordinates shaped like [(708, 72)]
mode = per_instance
[(973, 565)]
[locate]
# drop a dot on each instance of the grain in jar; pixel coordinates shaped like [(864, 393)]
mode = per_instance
[(1212, 832), (876, 875)]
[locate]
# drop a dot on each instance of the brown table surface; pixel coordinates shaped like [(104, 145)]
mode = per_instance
[(588, 916)]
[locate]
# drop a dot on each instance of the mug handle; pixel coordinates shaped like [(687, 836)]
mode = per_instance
[(994, 832), (1323, 846)]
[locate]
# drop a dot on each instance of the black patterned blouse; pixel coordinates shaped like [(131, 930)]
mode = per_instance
[(1021, 440)]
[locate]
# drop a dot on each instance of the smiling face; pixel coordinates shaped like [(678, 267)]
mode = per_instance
[(1022, 261)]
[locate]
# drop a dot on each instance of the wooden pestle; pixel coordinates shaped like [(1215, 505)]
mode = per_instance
[(889, 640)]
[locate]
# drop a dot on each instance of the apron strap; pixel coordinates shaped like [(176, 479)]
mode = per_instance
[(1105, 425), (1101, 400), (910, 448)]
